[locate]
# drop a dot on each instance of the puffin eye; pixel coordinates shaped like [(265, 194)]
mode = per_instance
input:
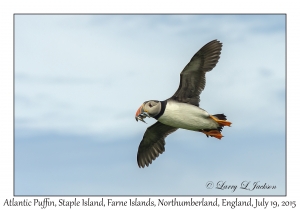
[(150, 105)]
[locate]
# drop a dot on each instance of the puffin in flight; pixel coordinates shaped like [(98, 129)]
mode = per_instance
[(182, 109)]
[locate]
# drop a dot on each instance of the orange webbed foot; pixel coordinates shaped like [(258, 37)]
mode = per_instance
[(221, 122), (213, 133)]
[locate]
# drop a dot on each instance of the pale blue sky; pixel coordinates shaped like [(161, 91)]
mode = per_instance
[(79, 80)]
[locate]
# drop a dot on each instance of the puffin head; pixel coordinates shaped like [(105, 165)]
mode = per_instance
[(148, 109)]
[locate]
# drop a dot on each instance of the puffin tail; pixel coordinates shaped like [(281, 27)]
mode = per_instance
[(220, 116), (221, 120)]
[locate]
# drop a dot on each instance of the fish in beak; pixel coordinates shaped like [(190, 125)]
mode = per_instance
[(141, 114)]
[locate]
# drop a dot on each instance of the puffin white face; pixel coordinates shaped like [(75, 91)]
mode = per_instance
[(148, 109)]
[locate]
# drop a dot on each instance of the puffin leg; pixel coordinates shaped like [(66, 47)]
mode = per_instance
[(213, 133), (220, 122)]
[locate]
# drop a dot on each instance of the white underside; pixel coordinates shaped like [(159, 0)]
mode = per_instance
[(186, 116)]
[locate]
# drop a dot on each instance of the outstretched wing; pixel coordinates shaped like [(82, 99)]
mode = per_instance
[(153, 143), (192, 77)]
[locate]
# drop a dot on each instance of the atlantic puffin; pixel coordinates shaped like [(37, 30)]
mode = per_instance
[(182, 109)]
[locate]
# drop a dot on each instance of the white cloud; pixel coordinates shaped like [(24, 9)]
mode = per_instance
[(89, 74)]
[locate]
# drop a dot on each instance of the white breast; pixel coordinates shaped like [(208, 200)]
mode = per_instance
[(186, 116)]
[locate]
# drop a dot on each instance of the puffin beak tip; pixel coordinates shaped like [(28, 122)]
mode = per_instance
[(140, 114)]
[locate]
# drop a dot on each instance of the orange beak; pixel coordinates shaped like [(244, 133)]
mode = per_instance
[(138, 112)]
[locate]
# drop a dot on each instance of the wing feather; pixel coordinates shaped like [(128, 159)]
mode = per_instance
[(153, 143), (192, 77)]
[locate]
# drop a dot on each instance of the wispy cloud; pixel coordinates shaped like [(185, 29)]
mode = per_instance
[(113, 63)]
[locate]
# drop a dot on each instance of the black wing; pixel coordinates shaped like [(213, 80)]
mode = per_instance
[(153, 143), (192, 77)]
